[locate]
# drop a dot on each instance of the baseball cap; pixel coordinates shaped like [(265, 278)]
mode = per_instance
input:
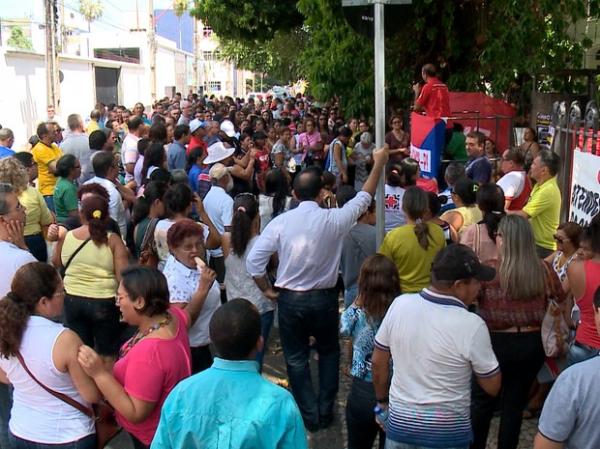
[(217, 171), (195, 125), (457, 262), (228, 128)]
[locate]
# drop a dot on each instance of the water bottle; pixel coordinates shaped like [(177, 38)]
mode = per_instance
[(381, 415)]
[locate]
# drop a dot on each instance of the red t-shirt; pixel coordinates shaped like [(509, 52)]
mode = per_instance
[(587, 332), (428, 185), (435, 99), (150, 370), (196, 142)]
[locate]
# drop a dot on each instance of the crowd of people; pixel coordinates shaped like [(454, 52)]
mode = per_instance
[(147, 254)]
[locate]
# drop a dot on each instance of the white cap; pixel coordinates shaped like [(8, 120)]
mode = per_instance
[(228, 128), (195, 125)]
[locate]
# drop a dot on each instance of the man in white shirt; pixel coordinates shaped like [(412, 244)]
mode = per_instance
[(77, 144), (515, 183), (106, 172), (129, 149), (436, 345), (308, 241), (13, 255), (219, 207)]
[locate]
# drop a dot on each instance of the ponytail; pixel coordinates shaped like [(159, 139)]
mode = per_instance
[(422, 233), (30, 283), (245, 210), (95, 211), (415, 204), (490, 200)]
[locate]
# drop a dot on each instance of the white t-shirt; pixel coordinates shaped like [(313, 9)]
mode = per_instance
[(436, 344), (239, 283), (219, 207), (11, 259), (183, 282), (36, 415), (265, 209), (512, 184), (129, 152), (394, 215)]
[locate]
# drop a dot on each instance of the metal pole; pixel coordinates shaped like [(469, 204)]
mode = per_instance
[(152, 49), (379, 111)]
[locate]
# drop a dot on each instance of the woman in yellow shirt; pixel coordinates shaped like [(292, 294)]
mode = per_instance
[(20, 171), (92, 259), (412, 247)]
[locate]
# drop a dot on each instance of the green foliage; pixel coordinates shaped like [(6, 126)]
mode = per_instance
[(277, 57), (492, 46), (18, 39), (91, 9), (247, 20)]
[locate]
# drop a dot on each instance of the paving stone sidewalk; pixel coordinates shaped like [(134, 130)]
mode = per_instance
[(335, 436)]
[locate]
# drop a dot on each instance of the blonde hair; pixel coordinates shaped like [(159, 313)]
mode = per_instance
[(522, 275), (14, 173)]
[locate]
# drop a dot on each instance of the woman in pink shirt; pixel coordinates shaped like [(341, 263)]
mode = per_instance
[(311, 143), (155, 359)]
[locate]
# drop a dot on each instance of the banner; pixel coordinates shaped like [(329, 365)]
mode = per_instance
[(585, 188), (427, 143)]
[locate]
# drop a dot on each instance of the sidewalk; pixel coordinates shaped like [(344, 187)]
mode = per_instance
[(335, 436)]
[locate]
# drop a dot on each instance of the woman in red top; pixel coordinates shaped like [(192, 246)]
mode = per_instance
[(584, 280), (155, 359)]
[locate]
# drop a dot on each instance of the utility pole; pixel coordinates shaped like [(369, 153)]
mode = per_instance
[(52, 83), (379, 50), (196, 56), (152, 49)]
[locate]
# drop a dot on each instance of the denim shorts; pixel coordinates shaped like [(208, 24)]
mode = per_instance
[(389, 444), (88, 442)]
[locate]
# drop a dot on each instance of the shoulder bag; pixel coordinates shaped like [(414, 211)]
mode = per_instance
[(148, 256), (555, 327), (63, 270), (106, 425)]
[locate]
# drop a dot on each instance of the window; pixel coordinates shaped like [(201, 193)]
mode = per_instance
[(131, 55), (206, 31), (213, 86), (211, 55)]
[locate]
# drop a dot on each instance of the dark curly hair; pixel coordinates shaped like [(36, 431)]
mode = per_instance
[(31, 282), (147, 283)]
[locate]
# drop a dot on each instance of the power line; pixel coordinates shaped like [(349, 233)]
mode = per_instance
[(103, 21)]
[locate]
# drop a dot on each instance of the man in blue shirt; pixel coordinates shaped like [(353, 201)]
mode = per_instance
[(176, 157), (478, 168), (230, 405), (7, 138)]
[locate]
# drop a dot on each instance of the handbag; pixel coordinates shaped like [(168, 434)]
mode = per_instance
[(148, 256), (63, 270), (556, 333), (102, 413)]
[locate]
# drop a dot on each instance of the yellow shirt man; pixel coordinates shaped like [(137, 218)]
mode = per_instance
[(44, 155), (543, 209)]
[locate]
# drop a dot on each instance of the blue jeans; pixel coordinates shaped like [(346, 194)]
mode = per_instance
[(266, 322), (302, 315), (5, 407), (350, 295), (579, 353), (389, 444), (88, 442), (49, 199)]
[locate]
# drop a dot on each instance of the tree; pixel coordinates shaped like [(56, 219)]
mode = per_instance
[(277, 57), (483, 45), (248, 20), (18, 39), (91, 10)]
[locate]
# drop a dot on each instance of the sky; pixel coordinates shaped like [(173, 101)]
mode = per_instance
[(117, 13)]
